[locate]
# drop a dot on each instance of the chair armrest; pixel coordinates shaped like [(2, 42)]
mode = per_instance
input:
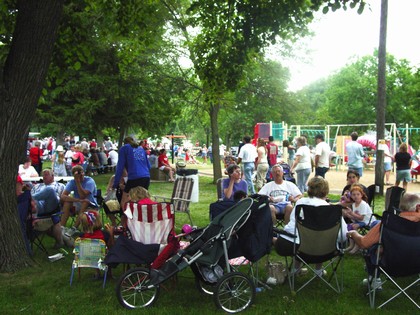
[(162, 198)]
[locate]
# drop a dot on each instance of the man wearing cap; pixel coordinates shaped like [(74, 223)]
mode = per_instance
[(283, 194), (322, 156)]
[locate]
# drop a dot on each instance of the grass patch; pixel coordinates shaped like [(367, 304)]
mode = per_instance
[(44, 288)]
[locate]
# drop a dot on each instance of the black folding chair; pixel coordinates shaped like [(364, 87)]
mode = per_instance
[(398, 256), (319, 229), (393, 196)]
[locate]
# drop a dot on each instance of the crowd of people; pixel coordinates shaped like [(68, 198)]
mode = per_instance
[(131, 181)]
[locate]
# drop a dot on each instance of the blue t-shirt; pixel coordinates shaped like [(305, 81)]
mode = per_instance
[(355, 154), (242, 185), (87, 184), (134, 160)]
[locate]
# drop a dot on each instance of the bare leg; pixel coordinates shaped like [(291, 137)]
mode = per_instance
[(124, 199), (66, 213), (56, 233), (287, 213), (273, 214)]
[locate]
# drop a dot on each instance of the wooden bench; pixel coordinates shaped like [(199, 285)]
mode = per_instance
[(157, 174)]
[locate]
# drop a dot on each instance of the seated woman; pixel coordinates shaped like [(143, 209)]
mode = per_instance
[(164, 166), (318, 189), (27, 170), (353, 177), (234, 183)]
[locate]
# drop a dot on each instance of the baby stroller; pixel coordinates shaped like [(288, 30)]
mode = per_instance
[(244, 229), (287, 174)]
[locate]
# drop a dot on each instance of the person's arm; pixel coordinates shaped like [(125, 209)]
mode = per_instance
[(367, 241), (83, 193), (229, 190), (295, 162)]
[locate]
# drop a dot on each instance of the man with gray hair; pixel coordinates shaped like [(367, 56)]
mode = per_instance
[(282, 194), (46, 201)]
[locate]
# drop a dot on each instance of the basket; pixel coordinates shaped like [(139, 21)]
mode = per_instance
[(111, 201)]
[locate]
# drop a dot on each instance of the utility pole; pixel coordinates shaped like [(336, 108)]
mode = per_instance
[(381, 104)]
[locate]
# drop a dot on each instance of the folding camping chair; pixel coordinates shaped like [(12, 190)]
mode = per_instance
[(398, 255), (393, 196), (150, 228), (181, 195), (318, 228), (89, 253)]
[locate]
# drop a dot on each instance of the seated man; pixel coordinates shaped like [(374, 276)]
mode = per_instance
[(410, 210), (46, 201), (84, 192), (164, 166), (282, 194)]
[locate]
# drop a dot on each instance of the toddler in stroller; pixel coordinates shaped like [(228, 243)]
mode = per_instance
[(244, 229)]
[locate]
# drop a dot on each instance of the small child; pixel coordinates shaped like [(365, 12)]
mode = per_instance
[(92, 228), (141, 196), (360, 214)]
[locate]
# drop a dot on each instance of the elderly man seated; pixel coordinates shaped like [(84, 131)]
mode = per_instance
[(282, 194), (46, 202), (410, 210), (84, 192)]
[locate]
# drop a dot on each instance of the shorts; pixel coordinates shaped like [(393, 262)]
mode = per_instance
[(162, 168), (403, 176), (387, 166), (142, 182), (280, 206)]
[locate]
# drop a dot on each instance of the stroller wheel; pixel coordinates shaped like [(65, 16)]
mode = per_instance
[(204, 286), (134, 291), (234, 292)]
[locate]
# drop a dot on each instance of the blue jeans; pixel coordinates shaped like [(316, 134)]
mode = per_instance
[(248, 171), (46, 201), (302, 178)]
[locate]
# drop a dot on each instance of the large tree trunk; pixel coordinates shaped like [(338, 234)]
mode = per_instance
[(21, 83), (214, 114)]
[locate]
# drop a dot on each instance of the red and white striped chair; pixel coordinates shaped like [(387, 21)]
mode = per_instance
[(151, 223)]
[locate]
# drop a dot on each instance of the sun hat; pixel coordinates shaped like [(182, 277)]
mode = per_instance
[(59, 148)]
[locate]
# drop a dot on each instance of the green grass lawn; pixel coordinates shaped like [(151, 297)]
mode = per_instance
[(44, 288)]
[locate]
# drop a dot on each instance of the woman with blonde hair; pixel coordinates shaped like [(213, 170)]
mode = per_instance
[(261, 164), (403, 160)]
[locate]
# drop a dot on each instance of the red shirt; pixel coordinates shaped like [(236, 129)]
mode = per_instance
[(272, 151), (35, 154), (163, 160)]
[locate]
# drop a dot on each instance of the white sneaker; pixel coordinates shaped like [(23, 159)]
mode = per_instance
[(320, 272), (376, 285)]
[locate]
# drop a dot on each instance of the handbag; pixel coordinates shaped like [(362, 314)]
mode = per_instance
[(276, 272), (111, 201)]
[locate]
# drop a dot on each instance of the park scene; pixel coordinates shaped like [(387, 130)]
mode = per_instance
[(159, 157)]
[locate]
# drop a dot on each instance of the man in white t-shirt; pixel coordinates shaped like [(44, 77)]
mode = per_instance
[(247, 157), (322, 156), (282, 194)]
